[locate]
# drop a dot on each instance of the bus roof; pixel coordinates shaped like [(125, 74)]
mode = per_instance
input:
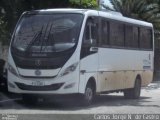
[(107, 14), (61, 10), (113, 16)]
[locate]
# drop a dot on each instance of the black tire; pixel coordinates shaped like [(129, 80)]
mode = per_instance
[(29, 99), (89, 94), (133, 93)]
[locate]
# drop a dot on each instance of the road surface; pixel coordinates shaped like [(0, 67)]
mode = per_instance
[(149, 103)]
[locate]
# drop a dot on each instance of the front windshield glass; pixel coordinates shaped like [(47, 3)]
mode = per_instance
[(47, 33)]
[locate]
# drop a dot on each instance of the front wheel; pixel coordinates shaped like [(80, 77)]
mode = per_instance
[(133, 93), (89, 94)]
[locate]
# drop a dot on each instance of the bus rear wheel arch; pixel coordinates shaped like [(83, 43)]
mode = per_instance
[(134, 93)]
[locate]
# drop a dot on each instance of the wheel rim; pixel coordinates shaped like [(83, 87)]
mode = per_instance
[(89, 94)]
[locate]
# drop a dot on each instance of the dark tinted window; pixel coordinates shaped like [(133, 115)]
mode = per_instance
[(125, 35), (131, 36), (145, 38), (105, 33), (91, 32), (116, 34), (90, 37), (47, 33)]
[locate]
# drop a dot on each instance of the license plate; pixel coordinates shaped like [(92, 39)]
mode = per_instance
[(38, 83)]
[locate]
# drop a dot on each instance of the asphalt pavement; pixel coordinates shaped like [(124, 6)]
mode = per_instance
[(148, 103)]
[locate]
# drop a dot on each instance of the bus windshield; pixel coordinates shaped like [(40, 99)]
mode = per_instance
[(47, 32)]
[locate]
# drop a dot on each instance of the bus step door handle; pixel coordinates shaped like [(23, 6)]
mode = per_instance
[(93, 49)]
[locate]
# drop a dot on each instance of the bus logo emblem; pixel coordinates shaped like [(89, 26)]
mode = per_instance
[(37, 72)]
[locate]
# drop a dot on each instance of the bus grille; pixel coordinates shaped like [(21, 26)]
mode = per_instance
[(39, 88)]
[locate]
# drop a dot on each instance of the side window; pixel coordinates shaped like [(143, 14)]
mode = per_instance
[(105, 32), (136, 37), (90, 37), (145, 38), (91, 32), (116, 34), (131, 36)]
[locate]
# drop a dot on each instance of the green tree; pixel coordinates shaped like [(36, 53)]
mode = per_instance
[(84, 4)]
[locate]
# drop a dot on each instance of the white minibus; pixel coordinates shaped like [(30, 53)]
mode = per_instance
[(79, 52)]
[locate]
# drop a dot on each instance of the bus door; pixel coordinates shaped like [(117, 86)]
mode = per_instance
[(89, 51)]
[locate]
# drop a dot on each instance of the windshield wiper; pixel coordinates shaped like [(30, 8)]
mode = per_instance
[(48, 37), (43, 39), (35, 38)]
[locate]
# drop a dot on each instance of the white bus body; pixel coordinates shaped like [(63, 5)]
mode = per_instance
[(113, 58)]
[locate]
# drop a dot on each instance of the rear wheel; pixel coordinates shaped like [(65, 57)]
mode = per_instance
[(133, 93)]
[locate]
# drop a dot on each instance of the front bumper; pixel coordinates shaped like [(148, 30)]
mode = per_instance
[(59, 85)]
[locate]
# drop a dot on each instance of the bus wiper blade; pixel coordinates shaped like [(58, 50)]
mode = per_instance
[(46, 40), (35, 38), (43, 39)]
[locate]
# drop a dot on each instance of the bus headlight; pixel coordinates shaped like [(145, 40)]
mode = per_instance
[(69, 69), (12, 70)]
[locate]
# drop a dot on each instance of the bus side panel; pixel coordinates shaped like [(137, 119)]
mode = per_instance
[(130, 77), (147, 77), (88, 69), (122, 66)]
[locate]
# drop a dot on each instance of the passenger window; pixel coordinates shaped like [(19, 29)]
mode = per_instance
[(145, 38), (105, 33), (131, 36), (116, 34)]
